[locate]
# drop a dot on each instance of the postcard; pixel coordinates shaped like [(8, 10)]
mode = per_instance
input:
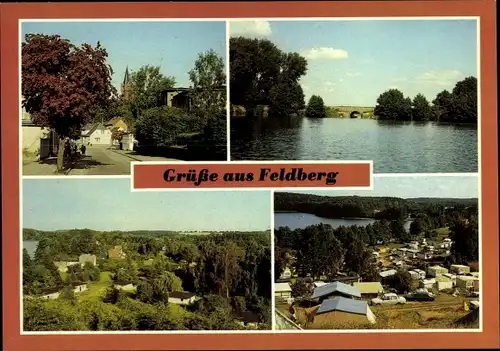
[(249, 176)]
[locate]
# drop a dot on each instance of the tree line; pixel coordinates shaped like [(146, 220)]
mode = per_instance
[(65, 86), (230, 273), (264, 75), (457, 106), (388, 208)]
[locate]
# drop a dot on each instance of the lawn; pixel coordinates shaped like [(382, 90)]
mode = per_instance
[(96, 289), (441, 318), (147, 263)]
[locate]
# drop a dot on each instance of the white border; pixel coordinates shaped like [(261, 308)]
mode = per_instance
[(281, 19), (254, 188), (273, 278), (228, 102)]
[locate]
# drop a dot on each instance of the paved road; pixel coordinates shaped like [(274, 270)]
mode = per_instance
[(99, 160)]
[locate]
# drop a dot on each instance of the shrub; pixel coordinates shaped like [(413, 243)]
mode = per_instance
[(160, 126)]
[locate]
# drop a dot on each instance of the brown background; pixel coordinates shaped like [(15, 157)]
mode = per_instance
[(10, 177), (151, 175)]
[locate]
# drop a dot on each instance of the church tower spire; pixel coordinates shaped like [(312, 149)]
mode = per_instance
[(126, 85)]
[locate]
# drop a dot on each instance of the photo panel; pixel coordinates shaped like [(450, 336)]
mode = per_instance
[(400, 91), (232, 176), (405, 256), (143, 262), (121, 91)]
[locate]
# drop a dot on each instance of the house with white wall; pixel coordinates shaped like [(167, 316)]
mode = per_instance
[(51, 296), (181, 297), (80, 287), (84, 258), (96, 134), (282, 290)]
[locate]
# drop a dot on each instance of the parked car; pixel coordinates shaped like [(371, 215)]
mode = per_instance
[(420, 295), (389, 299), (474, 305)]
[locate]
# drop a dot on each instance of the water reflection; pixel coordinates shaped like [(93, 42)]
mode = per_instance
[(407, 147)]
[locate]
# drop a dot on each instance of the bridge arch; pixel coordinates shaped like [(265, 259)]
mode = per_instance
[(355, 114)]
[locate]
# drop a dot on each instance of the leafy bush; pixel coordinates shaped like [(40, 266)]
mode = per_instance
[(160, 126)]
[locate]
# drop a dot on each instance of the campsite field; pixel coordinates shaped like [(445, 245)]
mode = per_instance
[(439, 314)]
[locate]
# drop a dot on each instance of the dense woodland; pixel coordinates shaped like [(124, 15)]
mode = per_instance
[(229, 272), (457, 106), (320, 250), (364, 207)]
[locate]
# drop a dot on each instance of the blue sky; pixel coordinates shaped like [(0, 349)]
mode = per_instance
[(463, 186), (353, 62), (108, 204), (172, 45)]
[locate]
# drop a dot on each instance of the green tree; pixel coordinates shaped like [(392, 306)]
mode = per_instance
[(316, 107), (262, 74), (209, 98), (417, 227), (208, 92), (392, 105), (459, 106), (280, 259), (401, 281), (68, 294), (443, 105), (465, 247), (144, 291), (465, 100), (92, 272), (50, 316), (112, 295), (84, 242), (217, 309), (146, 84), (28, 277), (421, 108), (286, 99), (300, 289), (399, 231)]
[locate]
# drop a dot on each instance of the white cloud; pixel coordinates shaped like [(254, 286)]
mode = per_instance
[(305, 87), (250, 28), (443, 78), (328, 83), (324, 53), (341, 79), (353, 74)]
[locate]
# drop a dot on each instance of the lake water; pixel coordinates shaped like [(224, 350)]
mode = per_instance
[(403, 147), (295, 220), (30, 246)]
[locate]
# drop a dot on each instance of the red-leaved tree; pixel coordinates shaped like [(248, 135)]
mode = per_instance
[(62, 83)]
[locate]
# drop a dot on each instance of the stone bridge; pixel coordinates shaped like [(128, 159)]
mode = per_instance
[(354, 111)]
